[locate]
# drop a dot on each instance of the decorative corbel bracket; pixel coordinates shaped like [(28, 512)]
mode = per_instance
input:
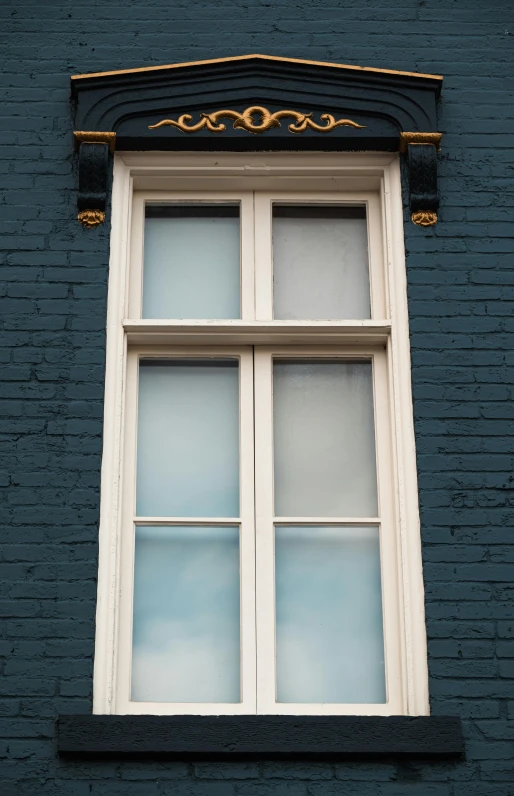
[(93, 149), (421, 150)]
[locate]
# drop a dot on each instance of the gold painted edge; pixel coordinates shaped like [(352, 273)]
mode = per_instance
[(420, 138), (87, 75), (93, 137)]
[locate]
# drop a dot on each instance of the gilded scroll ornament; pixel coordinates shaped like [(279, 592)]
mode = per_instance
[(424, 218), (265, 121), (91, 218)]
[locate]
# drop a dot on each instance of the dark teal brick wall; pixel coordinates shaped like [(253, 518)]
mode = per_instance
[(53, 279)]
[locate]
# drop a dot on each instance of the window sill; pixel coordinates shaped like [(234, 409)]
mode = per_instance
[(273, 737)]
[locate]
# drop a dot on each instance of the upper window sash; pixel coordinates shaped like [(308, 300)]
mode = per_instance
[(256, 210)]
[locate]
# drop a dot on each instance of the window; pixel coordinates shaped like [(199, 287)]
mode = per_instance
[(259, 542)]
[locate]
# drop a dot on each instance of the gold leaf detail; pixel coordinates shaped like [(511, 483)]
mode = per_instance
[(264, 122), (82, 137), (424, 218), (91, 218), (420, 138)]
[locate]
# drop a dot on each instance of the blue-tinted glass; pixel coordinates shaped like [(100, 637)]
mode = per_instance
[(188, 439), (324, 439), (192, 262), (186, 615), (320, 262), (329, 637)]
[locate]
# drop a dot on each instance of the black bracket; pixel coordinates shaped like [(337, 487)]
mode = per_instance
[(94, 149), (421, 150)]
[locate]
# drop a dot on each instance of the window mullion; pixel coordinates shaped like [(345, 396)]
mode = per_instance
[(263, 258), (264, 546)]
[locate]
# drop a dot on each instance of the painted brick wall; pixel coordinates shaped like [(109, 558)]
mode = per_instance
[(52, 299)]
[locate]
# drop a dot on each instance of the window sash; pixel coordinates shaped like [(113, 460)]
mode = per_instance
[(256, 247), (266, 520), (357, 178), (245, 522), (258, 678)]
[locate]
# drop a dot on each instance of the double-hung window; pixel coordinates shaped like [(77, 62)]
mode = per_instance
[(260, 550)]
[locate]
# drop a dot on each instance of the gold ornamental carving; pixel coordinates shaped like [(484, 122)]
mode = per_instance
[(91, 218), (424, 218), (265, 121)]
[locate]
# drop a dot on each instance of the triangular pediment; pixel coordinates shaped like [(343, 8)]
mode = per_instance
[(226, 101)]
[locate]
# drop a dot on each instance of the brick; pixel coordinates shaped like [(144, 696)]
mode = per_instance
[(53, 288)]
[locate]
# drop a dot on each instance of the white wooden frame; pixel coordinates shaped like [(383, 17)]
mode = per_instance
[(371, 177)]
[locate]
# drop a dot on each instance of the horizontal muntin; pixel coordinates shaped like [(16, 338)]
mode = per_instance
[(243, 332), (187, 520)]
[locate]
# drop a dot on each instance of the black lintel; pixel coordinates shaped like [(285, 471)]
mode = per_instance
[(272, 737)]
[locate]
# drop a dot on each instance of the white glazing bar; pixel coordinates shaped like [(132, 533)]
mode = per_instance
[(186, 520), (326, 521)]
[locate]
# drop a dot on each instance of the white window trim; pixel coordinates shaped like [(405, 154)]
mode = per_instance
[(348, 172)]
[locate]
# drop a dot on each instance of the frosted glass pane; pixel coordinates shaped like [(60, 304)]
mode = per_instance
[(324, 439), (192, 262), (186, 615), (329, 636), (188, 439), (320, 263)]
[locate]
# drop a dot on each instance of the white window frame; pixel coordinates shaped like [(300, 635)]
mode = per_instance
[(371, 179)]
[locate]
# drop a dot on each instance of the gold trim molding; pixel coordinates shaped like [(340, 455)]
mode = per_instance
[(420, 138), (245, 121), (254, 55), (91, 218), (83, 137), (424, 218)]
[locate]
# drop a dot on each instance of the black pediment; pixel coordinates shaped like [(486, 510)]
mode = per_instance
[(254, 102), (130, 103)]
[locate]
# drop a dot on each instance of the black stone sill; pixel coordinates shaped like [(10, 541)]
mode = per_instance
[(271, 737)]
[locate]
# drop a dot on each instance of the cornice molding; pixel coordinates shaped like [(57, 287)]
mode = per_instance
[(332, 107)]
